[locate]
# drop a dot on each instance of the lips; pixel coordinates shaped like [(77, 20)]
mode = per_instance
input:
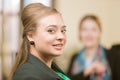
[(58, 46)]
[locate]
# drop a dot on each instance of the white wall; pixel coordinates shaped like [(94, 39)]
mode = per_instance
[(72, 10)]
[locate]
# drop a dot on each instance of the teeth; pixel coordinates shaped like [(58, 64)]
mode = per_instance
[(59, 45)]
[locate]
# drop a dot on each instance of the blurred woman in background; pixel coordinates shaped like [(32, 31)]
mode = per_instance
[(91, 62), (43, 39)]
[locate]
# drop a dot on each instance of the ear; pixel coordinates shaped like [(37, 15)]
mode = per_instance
[(30, 36)]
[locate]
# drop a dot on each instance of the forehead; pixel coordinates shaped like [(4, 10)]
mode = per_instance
[(53, 19), (89, 23)]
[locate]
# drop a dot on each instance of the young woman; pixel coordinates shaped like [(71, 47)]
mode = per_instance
[(91, 62), (43, 39)]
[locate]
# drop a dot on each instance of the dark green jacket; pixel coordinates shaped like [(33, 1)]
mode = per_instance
[(34, 69)]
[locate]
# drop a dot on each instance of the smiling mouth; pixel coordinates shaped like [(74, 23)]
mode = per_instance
[(58, 46)]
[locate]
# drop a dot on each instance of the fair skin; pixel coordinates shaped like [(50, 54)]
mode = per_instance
[(90, 34), (49, 38)]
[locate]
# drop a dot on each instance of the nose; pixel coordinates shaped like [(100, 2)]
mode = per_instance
[(61, 36)]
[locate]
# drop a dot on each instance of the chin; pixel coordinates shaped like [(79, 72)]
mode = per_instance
[(88, 45), (56, 53)]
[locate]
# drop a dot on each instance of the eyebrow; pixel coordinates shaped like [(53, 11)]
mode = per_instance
[(56, 26)]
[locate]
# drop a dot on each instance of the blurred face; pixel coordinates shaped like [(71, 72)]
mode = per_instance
[(90, 33), (50, 36)]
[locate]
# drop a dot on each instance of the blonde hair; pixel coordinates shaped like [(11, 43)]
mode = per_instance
[(29, 17)]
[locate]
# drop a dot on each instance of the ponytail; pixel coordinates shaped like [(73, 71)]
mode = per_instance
[(21, 57)]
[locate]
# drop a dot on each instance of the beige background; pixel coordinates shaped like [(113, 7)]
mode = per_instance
[(72, 10)]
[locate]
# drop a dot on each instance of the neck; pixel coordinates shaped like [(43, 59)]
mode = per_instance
[(91, 50), (42, 57)]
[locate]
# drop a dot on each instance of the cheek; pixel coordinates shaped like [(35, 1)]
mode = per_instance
[(49, 39), (65, 39), (83, 35), (96, 36), (46, 39), (44, 42)]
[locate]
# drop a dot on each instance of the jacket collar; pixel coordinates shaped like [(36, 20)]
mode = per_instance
[(42, 66)]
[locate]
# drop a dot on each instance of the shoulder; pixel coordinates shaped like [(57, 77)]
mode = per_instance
[(27, 77), (26, 67), (74, 56), (114, 53), (115, 49), (26, 71)]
